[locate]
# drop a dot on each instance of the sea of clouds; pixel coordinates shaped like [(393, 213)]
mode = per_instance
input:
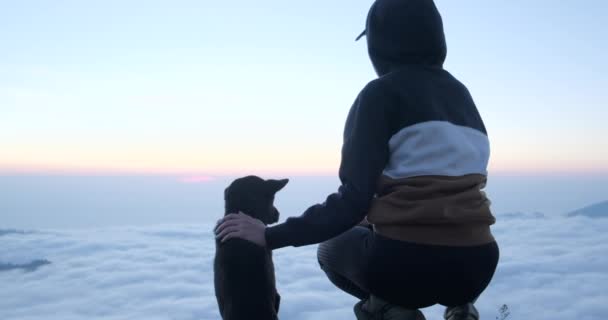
[(550, 268)]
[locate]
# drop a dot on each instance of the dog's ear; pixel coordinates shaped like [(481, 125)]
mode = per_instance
[(275, 185)]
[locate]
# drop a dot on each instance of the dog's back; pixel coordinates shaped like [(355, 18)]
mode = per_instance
[(243, 271), (244, 281)]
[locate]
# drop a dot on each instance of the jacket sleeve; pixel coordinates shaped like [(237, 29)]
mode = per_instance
[(364, 155)]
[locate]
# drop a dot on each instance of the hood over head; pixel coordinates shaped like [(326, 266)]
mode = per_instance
[(404, 32)]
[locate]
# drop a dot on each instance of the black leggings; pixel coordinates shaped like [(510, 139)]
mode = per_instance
[(411, 275)]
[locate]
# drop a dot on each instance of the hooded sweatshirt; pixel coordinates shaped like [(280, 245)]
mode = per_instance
[(415, 149)]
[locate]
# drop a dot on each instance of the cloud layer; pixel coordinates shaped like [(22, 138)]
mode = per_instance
[(550, 268)]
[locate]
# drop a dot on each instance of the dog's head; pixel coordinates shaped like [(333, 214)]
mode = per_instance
[(254, 196)]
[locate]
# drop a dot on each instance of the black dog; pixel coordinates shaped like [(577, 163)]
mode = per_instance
[(243, 271)]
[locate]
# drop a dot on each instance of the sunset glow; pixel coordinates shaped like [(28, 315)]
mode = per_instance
[(79, 95)]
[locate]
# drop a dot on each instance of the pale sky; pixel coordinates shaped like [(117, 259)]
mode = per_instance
[(217, 87)]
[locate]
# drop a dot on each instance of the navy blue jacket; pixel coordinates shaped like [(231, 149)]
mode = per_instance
[(412, 137)]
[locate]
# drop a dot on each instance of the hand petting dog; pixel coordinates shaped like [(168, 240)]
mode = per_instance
[(240, 225)]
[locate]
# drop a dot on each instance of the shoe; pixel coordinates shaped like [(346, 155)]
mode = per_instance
[(375, 308), (464, 312)]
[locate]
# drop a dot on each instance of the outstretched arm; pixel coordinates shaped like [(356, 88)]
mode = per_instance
[(364, 155)]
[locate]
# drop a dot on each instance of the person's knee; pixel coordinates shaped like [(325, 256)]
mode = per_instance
[(327, 258), (323, 259), (345, 284), (323, 252)]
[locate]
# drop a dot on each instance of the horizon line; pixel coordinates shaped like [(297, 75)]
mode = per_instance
[(200, 174)]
